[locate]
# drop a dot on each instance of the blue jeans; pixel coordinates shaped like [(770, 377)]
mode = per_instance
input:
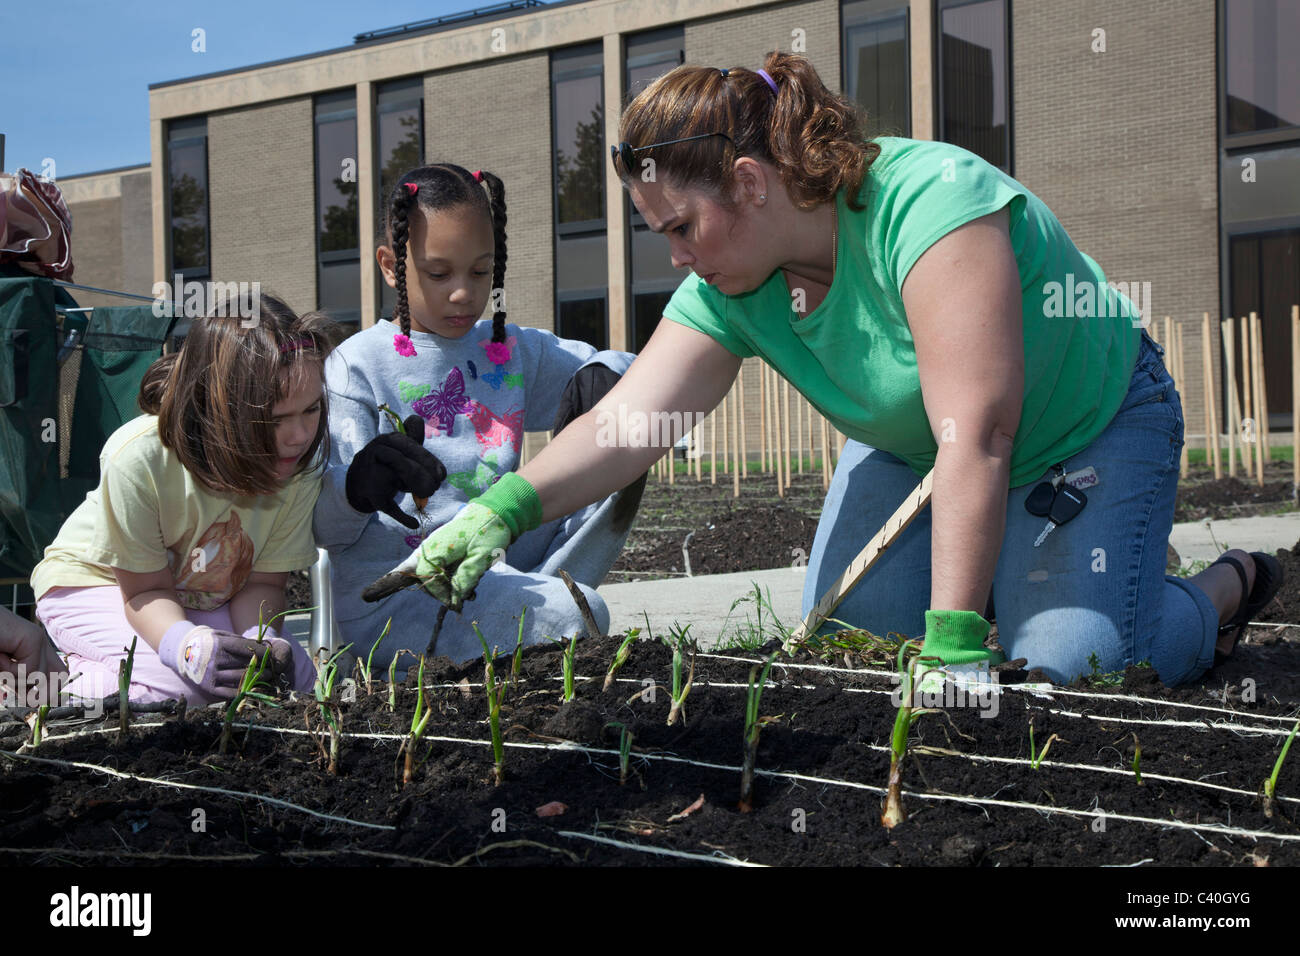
[(1097, 585)]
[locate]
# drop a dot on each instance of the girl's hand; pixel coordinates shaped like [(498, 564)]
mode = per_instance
[(215, 661), (300, 674), (392, 464), (449, 563), (24, 644)]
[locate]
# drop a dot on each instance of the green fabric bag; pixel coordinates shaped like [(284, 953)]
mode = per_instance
[(118, 346)]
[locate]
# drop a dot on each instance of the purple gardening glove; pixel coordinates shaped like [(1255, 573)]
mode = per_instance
[(214, 661), (300, 674)]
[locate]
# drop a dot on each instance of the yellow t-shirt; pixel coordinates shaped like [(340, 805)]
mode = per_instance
[(150, 513)]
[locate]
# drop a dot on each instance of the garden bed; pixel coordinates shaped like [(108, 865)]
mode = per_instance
[(973, 799)]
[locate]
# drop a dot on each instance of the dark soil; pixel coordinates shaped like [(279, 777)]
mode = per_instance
[(1200, 496), (825, 728)]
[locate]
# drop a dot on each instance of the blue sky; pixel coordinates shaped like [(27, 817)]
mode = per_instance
[(76, 75)]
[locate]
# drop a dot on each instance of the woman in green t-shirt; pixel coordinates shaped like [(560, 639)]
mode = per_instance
[(937, 313)]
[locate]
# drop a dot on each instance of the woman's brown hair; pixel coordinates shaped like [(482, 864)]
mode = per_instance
[(814, 137), (214, 397)]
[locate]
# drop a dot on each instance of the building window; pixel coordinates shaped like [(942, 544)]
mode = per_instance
[(877, 71), (399, 122), (975, 78), (649, 56), (338, 253), (187, 196), (1264, 278), (578, 147), (1262, 75)]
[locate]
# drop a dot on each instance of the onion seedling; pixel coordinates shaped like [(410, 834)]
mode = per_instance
[(495, 692), (620, 657), (253, 676), (328, 706), (908, 714), (568, 668), (38, 724), (124, 689), (419, 724), (1137, 760), (1036, 756), (400, 428), (1270, 785), (367, 669), (517, 665), (680, 690), (753, 724), (392, 685), (624, 750)]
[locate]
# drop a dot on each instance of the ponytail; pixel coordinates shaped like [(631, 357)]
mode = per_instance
[(814, 137)]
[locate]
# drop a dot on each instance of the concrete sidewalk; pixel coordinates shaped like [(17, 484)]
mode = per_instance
[(705, 602)]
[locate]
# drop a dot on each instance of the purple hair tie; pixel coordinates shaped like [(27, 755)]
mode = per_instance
[(770, 82), (296, 343)]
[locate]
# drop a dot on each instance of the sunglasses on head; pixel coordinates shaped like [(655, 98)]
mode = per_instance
[(624, 152)]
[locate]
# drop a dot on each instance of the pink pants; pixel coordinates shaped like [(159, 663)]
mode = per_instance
[(89, 626)]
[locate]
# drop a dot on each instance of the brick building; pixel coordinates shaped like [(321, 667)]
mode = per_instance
[(1165, 136)]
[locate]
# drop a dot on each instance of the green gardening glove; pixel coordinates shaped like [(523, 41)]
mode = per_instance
[(450, 562), (957, 638)]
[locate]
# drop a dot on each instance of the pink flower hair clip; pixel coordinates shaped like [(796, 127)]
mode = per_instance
[(403, 345)]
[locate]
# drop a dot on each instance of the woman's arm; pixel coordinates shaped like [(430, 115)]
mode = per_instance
[(963, 303), (680, 371)]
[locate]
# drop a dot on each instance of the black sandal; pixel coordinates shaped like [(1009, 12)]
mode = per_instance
[(1268, 579)]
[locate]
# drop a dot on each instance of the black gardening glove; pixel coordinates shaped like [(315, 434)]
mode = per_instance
[(392, 464), (589, 385)]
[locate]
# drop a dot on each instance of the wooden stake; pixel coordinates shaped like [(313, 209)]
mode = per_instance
[(859, 566), (1295, 400), (742, 452), (762, 417), (1231, 411), (798, 422), (737, 415), (1172, 364), (1258, 405), (1178, 344), (1211, 398), (697, 446), (726, 435), (1265, 430), (713, 448), (826, 457), (1247, 401), (785, 431)]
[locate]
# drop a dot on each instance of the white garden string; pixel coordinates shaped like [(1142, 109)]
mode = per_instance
[(873, 672), (981, 758), (659, 851), (122, 775)]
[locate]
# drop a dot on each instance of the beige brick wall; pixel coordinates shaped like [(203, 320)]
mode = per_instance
[(112, 233), (262, 199), (137, 233), (497, 116), (1121, 145), (97, 249)]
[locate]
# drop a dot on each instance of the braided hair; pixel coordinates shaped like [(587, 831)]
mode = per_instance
[(436, 188)]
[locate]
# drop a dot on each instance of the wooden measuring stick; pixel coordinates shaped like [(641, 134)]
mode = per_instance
[(858, 567)]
